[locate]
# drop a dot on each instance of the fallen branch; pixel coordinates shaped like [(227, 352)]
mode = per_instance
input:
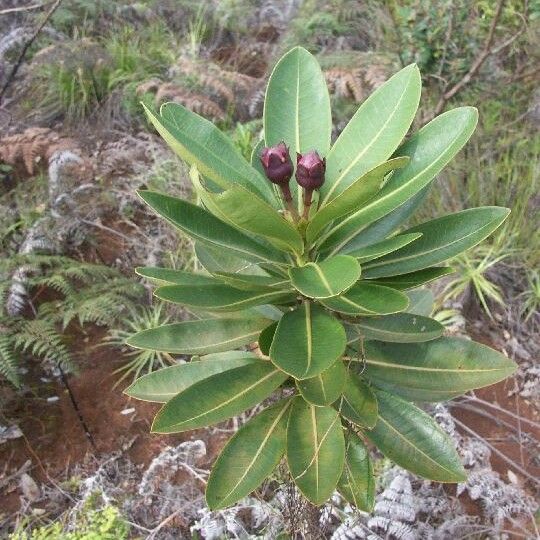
[(495, 450)]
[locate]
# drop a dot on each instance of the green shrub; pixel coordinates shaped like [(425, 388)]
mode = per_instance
[(313, 272)]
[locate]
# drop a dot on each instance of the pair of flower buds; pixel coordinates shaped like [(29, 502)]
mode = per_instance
[(278, 167)]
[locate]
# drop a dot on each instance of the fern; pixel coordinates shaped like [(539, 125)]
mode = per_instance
[(87, 293), (8, 360), (41, 338)]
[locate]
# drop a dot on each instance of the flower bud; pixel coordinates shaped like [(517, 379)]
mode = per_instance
[(277, 163), (310, 170)]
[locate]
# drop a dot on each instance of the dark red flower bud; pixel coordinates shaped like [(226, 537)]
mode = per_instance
[(277, 163), (310, 170)]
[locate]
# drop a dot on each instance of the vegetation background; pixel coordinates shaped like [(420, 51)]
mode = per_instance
[(76, 461)]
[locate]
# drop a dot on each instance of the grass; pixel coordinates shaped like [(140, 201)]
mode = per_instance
[(74, 80), (140, 361)]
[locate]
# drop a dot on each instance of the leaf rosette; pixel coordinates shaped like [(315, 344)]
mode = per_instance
[(310, 268)]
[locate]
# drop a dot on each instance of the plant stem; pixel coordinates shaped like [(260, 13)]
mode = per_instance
[(287, 197), (308, 193)]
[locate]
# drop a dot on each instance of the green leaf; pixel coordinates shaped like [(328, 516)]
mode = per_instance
[(374, 251), (297, 106), (420, 302), (266, 337), (400, 328), (357, 483), (442, 239), (199, 337), (436, 370), (366, 298), (374, 132), (412, 439), (307, 341), (327, 278), (404, 282), (252, 282), (384, 227), (205, 227), (360, 191), (315, 449), (198, 142), (430, 150), (358, 403), (218, 397), (162, 385), (169, 275), (220, 298), (247, 212), (325, 388), (249, 457), (219, 259)]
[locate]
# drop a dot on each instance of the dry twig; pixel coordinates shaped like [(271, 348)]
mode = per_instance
[(24, 8), (487, 50), (27, 45)]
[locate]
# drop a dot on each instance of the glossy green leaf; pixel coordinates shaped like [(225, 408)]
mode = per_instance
[(404, 282), (199, 337), (360, 191), (249, 457), (400, 328), (170, 275), (220, 259), (357, 483), (198, 142), (248, 212), (374, 251), (307, 341), (162, 385), (374, 132), (327, 278), (420, 302), (218, 397), (412, 439), (220, 298), (436, 370), (325, 388), (442, 239), (315, 449), (266, 337), (250, 282), (297, 106), (429, 150), (358, 403), (366, 298), (384, 227), (205, 227)]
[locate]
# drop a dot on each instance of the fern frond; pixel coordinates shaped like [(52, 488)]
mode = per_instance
[(101, 303), (8, 360), (41, 339)]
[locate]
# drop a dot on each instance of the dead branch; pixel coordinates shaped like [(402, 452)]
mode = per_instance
[(27, 45), (487, 50), (24, 8)]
